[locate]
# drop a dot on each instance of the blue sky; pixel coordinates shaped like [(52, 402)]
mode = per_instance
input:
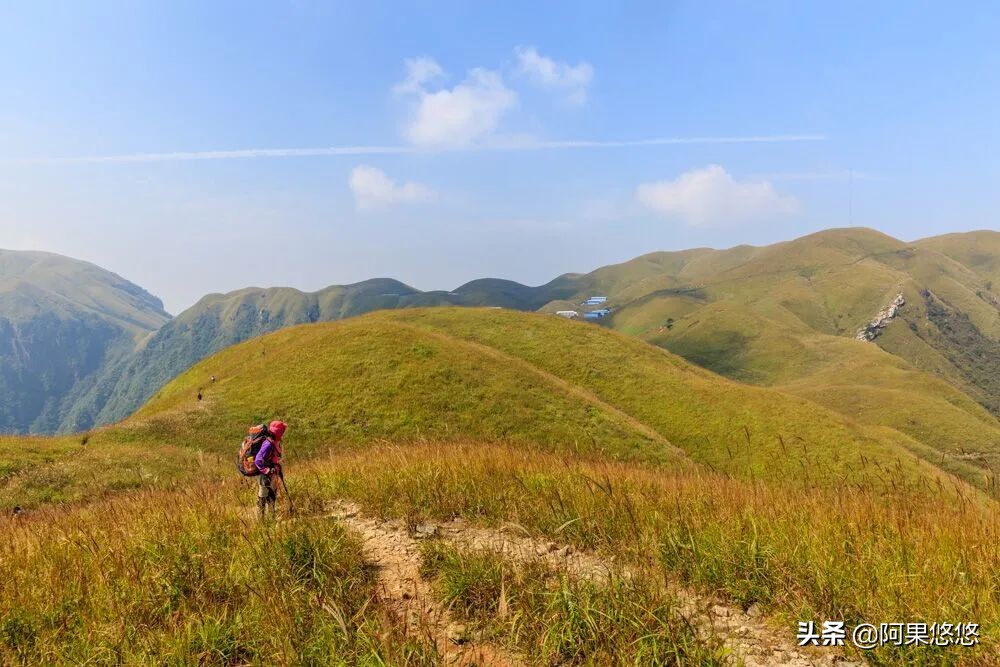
[(198, 147)]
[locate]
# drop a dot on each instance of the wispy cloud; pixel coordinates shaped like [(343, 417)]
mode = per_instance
[(373, 189), (546, 73), (419, 72), (525, 145)]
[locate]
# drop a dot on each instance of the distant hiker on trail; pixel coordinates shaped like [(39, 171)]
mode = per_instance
[(199, 394), (213, 379), (260, 456)]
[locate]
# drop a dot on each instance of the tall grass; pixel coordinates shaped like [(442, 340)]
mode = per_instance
[(558, 619), (39, 471), (189, 578), (857, 555)]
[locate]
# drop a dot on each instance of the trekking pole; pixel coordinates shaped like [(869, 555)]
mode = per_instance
[(291, 505)]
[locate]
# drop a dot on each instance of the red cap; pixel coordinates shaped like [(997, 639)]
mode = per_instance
[(277, 429)]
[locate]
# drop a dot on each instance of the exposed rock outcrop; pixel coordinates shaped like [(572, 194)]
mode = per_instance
[(873, 329)]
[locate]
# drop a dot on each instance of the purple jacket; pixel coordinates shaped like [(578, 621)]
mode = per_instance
[(268, 456)]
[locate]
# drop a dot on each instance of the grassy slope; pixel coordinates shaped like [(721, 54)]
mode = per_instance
[(979, 251), (532, 407), (753, 314), (784, 316), (61, 322), (371, 378), (190, 578), (492, 374), (220, 320), (67, 287), (799, 553), (185, 566)]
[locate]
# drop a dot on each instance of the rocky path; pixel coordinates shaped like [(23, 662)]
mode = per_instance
[(749, 637)]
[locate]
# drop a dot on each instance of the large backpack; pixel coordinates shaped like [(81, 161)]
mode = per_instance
[(249, 449)]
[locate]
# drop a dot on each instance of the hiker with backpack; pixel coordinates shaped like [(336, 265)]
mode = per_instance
[(260, 456)]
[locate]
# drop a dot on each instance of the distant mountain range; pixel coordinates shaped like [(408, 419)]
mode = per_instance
[(62, 324), (784, 315)]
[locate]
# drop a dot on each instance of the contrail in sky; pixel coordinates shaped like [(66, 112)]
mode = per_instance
[(512, 146)]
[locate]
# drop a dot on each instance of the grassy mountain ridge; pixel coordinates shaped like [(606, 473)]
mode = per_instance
[(62, 322), (855, 483), (780, 315), (220, 320), (487, 375), (500, 375), (978, 250), (785, 316), (44, 281), (572, 433)]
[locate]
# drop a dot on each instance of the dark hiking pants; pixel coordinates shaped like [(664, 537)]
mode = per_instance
[(267, 493)]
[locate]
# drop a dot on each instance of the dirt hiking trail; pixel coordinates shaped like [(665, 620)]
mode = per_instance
[(396, 551), (409, 596)]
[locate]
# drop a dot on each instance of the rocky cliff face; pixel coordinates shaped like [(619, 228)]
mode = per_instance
[(873, 329)]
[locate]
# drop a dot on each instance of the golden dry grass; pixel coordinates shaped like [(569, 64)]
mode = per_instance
[(858, 555)]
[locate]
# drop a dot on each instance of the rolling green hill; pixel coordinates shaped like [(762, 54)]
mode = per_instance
[(979, 251), (741, 311), (62, 322), (782, 316), (484, 375), (498, 375), (220, 320), (491, 418), (786, 316)]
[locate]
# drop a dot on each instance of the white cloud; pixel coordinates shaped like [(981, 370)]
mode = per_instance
[(419, 72), (710, 197), (372, 190), (546, 73), (458, 116)]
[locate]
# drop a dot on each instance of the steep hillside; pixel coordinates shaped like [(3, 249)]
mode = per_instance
[(500, 375), (62, 321), (736, 310), (220, 320), (482, 375), (979, 251), (584, 480), (786, 316)]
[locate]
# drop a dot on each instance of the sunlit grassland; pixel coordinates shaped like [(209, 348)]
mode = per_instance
[(364, 379), (458, 374), (574, 433), (785, 315), (858, 380), (542, 611), (744, 430), (68, 469), (493, 375), (858, 555), (183, 565), (189, 577)]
